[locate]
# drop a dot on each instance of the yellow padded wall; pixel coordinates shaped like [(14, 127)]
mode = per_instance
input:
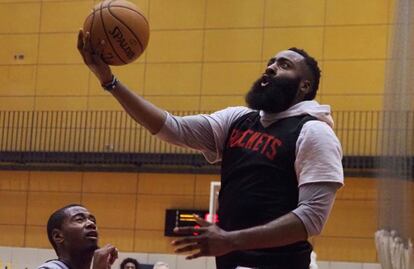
[(12, 235), (16, 43), (187, 46), (130, 209), (13, 201), (168, 79), (58, 17), (190, 43), (234, 14), (17, 80), (167, 14), (19, 17), (355, 12), (349, 232), (215, 73), (13, 207)]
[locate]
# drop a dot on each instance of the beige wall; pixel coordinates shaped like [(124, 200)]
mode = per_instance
[(202, 55)]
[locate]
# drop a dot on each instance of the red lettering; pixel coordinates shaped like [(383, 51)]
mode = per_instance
[(269, 138), (255, 141), (258, 142), (275, 144), (240, 140), (235, 134), (252, 139)]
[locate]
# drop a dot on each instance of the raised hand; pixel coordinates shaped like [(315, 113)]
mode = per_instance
[(92, 57), (104, 257), (209, 240)]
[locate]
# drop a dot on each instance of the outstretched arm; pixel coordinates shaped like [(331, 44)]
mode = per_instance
[(213, 241), (145, 113), (142, 111), (200, 132), (315, 204)]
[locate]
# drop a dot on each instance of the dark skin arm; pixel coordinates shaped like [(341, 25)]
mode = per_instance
[(145, 113), (213, 241), (142, 111)]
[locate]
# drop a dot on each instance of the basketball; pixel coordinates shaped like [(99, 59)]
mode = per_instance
[(123, 27)]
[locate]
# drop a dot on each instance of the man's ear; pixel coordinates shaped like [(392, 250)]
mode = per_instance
[(305, 87), (57, 236)]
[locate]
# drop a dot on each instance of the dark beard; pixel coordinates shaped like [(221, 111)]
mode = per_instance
[(277, 96)]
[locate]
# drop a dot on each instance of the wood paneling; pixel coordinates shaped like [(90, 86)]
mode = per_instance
[(130, 209), (345, 249), (153, 242), (42, 204), (110, 183), (14, 180), (121, 238), (36, 237), (12, 235), (151, 209), (166, 184), (13, 207), (112, 210), (55, 181)]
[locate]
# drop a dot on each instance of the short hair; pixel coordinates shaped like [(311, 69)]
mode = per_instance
[(312, 64), (127, 260), (55, 222)]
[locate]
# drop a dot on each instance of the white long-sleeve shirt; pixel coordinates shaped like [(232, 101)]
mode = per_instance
[(318, 152)]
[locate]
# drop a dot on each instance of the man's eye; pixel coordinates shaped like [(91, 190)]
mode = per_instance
[(284, 65)]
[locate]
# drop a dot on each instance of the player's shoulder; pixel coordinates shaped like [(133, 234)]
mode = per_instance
[(318, 131), (231, 113), (235, 110), (53, 264), (317, 126)]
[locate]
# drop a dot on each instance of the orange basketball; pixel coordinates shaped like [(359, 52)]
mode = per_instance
[(124, 28)]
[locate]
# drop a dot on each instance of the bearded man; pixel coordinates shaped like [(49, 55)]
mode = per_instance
[(280, 162)]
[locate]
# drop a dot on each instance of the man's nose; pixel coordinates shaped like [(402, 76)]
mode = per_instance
[(271, 71), (91, 224)]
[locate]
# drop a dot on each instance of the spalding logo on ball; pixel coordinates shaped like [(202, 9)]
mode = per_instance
[(124, 28)]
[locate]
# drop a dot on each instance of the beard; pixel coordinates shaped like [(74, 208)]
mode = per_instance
[(276, 96)]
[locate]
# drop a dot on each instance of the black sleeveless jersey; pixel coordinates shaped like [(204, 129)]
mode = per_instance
[(258, 185)]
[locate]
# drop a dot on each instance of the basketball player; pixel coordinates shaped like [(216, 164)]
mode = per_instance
[(281, 162), (73, 233)]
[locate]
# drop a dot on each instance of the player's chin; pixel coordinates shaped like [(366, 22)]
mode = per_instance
[(91, 245)]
